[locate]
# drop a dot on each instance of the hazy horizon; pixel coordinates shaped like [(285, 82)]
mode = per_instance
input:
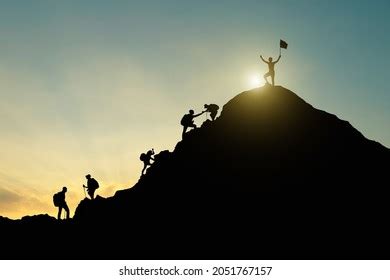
[(87, 86)]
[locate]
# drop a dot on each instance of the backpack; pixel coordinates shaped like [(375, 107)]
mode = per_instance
[(57, 199), (186, 120), (143, 157), (94, 183), (213, 107)]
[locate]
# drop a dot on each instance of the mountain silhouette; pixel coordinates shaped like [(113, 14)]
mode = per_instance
[(272, 177)]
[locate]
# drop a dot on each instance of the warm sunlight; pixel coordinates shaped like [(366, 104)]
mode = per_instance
[(256, 81)]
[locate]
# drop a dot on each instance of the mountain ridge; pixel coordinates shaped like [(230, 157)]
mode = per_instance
[(269, 154), (242, 120)]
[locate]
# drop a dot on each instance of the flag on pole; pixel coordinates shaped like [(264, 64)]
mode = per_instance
[(283, 44)]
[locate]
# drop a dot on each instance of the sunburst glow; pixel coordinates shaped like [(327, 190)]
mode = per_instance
[(256, 81)]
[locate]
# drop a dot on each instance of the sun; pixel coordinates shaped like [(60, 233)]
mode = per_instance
[(256, 81)]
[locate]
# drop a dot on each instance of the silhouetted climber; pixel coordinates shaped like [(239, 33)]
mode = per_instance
[(59, 201), (212, 109), (188, 121), (146, 158), (271, 69), (92, 186)]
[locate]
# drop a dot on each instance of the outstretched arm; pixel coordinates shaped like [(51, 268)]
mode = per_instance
[(197, 115), (278, 58), (263, 59)]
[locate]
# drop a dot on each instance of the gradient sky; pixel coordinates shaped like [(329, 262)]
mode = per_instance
[(86, 86)]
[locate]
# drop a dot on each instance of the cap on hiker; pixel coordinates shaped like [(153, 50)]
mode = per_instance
[(88, 176)]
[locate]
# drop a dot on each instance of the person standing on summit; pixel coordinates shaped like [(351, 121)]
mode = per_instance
[(92, 186), (271, 68)]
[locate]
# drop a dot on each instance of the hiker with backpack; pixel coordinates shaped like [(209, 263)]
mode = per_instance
[(92, 186), (212, 109), (146, 158), (188, 121), (59, 201)]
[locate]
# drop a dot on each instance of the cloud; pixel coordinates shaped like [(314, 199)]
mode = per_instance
[(8, 198), (15, 204)]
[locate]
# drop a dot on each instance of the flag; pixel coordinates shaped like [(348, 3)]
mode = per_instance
[(283, 44)]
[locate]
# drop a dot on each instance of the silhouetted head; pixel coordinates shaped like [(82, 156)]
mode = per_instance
[(270, 59), (64, 189), (206, 106), (88, 176), (191, 112)]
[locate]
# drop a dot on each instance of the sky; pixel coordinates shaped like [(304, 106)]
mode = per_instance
[(87, 86)]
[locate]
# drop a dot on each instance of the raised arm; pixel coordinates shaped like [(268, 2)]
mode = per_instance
[(278, 59), (263, 59)]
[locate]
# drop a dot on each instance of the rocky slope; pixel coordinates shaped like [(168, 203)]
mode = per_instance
[(272, 177)]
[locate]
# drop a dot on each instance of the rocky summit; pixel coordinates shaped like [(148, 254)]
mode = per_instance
[(272, 177)]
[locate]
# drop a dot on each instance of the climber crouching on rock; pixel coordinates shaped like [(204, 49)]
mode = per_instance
[(146, 158)]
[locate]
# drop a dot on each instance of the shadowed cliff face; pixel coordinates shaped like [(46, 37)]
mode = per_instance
[(266, 140), (271, 167)]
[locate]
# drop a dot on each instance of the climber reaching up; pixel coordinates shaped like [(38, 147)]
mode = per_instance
[(146, 158), (188, 121)]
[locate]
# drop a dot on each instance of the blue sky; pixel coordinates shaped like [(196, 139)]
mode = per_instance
[(86, 86)]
